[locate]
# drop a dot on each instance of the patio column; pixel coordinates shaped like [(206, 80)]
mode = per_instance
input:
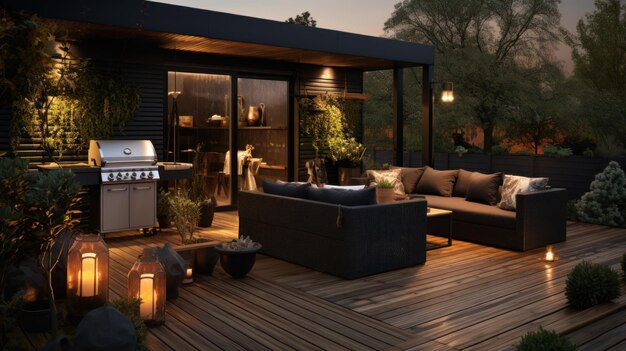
[(427, 114), (398, 116)]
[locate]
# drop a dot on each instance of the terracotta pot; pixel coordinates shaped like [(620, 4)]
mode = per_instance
[(384, 196)]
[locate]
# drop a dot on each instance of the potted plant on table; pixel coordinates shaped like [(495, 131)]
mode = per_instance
[(384, 191), (198, 252), (348, 154), (238, 256)]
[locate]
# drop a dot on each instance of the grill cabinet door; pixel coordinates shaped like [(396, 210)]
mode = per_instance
[(114, 207), (143, 205)]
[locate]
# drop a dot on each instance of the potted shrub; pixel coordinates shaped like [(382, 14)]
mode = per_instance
[(198, 252), (238, 256), (590, 284), (164, 212), (384, 192)]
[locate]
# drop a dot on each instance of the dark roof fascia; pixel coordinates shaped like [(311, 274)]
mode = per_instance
[(158, 17)]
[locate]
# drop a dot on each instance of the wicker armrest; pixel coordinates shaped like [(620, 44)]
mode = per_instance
[(541, 217)]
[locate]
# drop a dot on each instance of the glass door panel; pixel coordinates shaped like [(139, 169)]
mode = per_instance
[(263, 116), (203, 133)]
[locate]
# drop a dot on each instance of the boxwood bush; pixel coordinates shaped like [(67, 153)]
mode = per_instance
[(544, 340), (589, 284)]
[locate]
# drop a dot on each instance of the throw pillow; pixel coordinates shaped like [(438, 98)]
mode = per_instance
[(484, 188), (394, 176), (343, 197), (434, 182), (462, 182), (286, 189), (410, 177), (514, 185)]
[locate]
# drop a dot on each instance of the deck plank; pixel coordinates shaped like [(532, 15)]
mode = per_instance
[(466, 296)]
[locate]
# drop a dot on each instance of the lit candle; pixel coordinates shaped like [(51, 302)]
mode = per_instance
[(549, 254), (146, 293), (87, 275), (189, 273)]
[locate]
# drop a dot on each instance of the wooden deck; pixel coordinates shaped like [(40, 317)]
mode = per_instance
[(466, 296)]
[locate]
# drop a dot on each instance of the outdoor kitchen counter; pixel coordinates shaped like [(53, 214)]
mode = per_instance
[(87, 175)]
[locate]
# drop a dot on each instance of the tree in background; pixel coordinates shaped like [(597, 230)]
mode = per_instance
[(303, 19), (599, 54), (490, 49)]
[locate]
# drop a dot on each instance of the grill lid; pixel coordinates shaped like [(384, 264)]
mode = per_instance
[(112, 153)]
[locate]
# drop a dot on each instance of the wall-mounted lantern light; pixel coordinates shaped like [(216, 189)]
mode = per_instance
[(87, 274), (447, 92)]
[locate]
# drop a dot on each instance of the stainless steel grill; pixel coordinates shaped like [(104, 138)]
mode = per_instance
[(128, 174)]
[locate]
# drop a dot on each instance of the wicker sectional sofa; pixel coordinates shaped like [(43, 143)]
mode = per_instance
[(346, 241), (539, 218)]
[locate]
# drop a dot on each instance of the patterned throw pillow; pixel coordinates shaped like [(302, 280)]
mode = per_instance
[(514, 185), (394, 176)]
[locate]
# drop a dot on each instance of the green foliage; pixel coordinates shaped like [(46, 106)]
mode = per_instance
[(11, 336), (544, 340), (330, 122), (345, 151), (62, 100), (498, 150), (605, 202), (571, 211), (303, 19), (242, 243), (588, 153), (460, 150), (186, 216), (164, 203), (130, 308), (197, 189), (384, 184), (557, 151), (105, 100), (498, 70), (590, 284)]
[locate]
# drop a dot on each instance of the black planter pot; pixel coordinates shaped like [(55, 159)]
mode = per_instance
[(206, 259), (35, 316), (237, 263), (164, 221), (207, 212)]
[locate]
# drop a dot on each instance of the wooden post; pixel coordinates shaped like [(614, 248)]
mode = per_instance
[(398, 117), (427, 115)]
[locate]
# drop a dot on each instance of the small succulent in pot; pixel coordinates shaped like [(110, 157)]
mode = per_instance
[(384, 184), (243, 243), (238, 256)]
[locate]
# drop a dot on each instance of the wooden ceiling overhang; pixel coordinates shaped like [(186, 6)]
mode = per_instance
[(194, 30)]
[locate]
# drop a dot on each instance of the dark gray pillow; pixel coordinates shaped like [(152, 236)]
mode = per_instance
[(286, 189), (484, 188), (366, 196), (410, 177), (462, 182), (434, 182)]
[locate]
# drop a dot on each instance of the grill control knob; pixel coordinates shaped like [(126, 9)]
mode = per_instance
[(119, 176), (111, 176), (150, 175), (143, 175), (126, 176), (133, 176)]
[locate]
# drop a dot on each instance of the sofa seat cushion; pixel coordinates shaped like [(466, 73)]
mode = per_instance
[(472, 212)]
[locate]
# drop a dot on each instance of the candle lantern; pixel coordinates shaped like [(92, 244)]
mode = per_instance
[(146, 280), (87, 274), (550, 256), (188, 271)]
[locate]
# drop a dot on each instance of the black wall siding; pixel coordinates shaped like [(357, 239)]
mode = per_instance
[(5, 127)]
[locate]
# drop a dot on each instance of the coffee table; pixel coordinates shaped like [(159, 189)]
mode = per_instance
[(441, 220)]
